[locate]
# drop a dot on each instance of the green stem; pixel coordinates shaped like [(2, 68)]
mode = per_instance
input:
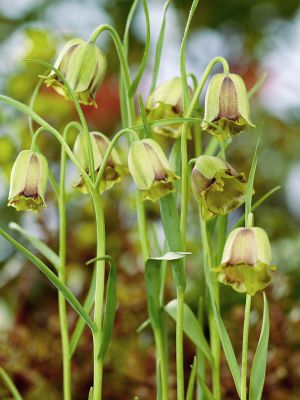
[(99, 293), (245, 348), (179, 344), (163, 367), (10, 385), (63, 316)]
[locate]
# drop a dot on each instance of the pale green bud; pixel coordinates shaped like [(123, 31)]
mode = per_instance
[(227, 106), (166, 101), (83, 65), (28, 181), (114, 169), (217, 186), (246, 261), (150, 169)]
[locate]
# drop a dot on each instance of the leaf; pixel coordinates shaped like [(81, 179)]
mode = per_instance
[(143, 325), (91, 393), (52, 278), (110, 308), (191, 328), (191, 384), (206, 390), (249, 191), (152, 275), (258, 371), (38, 244), (10, 384), (224, 337)]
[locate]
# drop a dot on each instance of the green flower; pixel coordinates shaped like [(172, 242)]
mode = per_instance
[(83, 65), (28, 181), (227, 106), (150, 169), (218, 188), (246, 261), (165, 102), (114, 169)]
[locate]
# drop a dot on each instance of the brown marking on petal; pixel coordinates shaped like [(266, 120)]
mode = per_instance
[(32, 178), (160, 174), (200, 182), (228, 106), (243, 250)]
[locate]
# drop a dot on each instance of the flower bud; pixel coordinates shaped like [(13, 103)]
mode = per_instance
[(246, 261), (166, 101), (114, 169), (150, 169), (227, 106), (83, 65), (218, 188), (28, 181)]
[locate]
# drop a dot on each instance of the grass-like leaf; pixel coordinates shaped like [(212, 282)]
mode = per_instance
[(191, 328), (52, 278), (191, 384), (258, 371), (10, 385), (249, 191), (48, 253)]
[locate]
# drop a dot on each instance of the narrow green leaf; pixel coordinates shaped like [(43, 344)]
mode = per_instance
[(147, 130), (205, 388), (80, 325), (191, 328), (52, 278), (249, 191), (152, 275), (128, 25), (143, 325), (38, 244), (110, 308), (91, 393), (10, 384), (258, 84), (224, 337), (191, 384), (143, 63), (256, 205), (258, 371)]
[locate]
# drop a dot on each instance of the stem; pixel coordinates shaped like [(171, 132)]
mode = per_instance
[(159, 344), (99, 293), (179, 344), (10, 385), (63, 317), (245, 348)]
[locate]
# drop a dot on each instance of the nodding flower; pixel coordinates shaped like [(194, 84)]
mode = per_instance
[(28, 181), (83, 65), (226, 106), (246, 261), (150, 169)]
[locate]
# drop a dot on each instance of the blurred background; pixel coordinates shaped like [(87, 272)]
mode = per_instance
[(257, 37)]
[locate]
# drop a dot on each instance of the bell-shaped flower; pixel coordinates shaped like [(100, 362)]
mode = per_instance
[(114, 169), (226, 106), (83, 65), (150, 169), (28, 181), (217, 186), (246, 261)]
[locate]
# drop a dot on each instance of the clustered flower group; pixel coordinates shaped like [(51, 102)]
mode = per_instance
[(217, 186)]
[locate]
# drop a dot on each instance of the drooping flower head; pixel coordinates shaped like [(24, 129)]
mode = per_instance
[(114, 170), (28, 181), (217, 186), (166, 101), (83, 65), (150, 169), (227, 106), (246, 261)]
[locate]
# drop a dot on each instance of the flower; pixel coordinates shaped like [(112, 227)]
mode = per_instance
[(217, 186), (166, 101), (28, 181), (114, 169), (226, 106), (150, 169), (246, 261), (83, 65)]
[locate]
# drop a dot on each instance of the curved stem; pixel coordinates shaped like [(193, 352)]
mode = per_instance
[(32, 102), (99, 293), (10, 385), (245, 348)]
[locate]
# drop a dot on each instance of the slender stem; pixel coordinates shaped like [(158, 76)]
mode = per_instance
[(10, 385), (159, 344), (63, 316), (245, 348), (99, 293), (179, 344)]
